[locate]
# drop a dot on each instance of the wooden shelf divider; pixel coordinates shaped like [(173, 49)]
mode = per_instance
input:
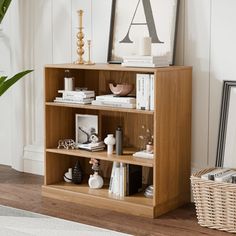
[(127, 157)]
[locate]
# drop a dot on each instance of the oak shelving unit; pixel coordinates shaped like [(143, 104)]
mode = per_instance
[(170, 122)]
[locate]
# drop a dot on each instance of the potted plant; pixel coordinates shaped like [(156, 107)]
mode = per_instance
[(6, 83)]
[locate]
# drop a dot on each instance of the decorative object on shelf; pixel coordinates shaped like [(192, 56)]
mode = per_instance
[(150, 18), (145, 44), (68, 81), (110, 142), (80, 36), (66, 143), (119, 141), (86, 126), (68, 176), (89, 62), (95, 181), (149, 147), (77, 173), (121, 89), (95, 164), (146, 138), (149, 192), (226, 150)]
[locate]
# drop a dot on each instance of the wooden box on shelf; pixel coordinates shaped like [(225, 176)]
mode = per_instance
[(170, 122)]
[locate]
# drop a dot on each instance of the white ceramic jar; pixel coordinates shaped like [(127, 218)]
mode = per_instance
[(95, 181)]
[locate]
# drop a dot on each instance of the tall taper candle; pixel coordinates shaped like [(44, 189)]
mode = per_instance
[(80, 13)]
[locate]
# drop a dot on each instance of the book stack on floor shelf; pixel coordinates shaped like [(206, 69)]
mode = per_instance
[(78, 97), (115, 101), (126, 179), (145, 61)]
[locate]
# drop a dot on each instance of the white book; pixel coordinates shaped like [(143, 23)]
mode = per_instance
[(143, 154), (77, 94), (148, 65), (111, 185), (113, 98), (60, 100), (113, 104), (142, 93), (225, 177), (152, 84), (117, 179), (122, 179), (147, 92), (145, 58), (211, 175), (76, 99)]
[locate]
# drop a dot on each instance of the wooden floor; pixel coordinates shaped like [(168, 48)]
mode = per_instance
[(23, 191)]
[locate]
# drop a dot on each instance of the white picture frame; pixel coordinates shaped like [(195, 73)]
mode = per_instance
[(85, 126), (133, 19)]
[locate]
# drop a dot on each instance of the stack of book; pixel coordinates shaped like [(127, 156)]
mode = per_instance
[(143, 154), (115, 101), (145, 61), (145, 91), (93, 147), (126, 179), (79, 97)]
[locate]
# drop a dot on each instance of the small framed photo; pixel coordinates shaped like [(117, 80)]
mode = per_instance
[(134, 19), (85, 127)]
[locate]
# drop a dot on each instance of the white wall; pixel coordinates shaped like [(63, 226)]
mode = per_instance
[(206, 41)]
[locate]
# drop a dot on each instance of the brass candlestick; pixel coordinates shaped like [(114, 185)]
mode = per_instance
[(89, 62), (80, 42)]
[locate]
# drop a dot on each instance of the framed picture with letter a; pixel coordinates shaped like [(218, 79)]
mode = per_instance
[(133, 20)]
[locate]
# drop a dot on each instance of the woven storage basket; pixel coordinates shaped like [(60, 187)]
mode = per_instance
[(215, 202)]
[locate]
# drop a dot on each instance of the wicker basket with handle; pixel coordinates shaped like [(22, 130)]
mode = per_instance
[(215, 202)]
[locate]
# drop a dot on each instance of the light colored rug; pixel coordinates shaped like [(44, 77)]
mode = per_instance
[(16, 222)]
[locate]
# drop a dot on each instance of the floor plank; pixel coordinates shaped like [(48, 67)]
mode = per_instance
[(23, 190)]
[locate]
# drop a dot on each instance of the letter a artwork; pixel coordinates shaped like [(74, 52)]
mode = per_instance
[(149, 22)]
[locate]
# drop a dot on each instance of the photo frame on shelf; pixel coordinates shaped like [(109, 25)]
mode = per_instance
[(134, 19), (226, 150), (85, 127)]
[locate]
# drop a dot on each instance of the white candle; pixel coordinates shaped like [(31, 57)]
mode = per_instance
[(145, 46)]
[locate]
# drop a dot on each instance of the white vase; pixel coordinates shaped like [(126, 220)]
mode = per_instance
[(5, 53), (110, 142), (68, 176), (95, 181)]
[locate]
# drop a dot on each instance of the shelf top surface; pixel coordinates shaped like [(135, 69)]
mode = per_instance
[(101, 108), (127, 157), (114, 67)]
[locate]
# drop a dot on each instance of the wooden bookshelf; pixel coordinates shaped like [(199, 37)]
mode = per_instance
[(170, 122)]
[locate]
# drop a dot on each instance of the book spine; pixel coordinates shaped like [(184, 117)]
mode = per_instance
[(78, 93), (147, 92), (111, 184), (71, 96), (122, 180), (113, 104), (138, 91), (142, 94), (152, 92), (116, 99)]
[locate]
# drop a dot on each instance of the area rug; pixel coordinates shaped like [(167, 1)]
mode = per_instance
[(16, 222)]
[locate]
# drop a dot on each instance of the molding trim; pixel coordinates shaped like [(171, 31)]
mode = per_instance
[(33, 159)]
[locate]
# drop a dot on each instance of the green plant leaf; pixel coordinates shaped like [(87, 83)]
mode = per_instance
[(4, 4), (8, 83), (2, 79)]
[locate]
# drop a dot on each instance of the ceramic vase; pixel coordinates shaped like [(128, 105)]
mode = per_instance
[(110, 142), (95, 181), (77, 174), (68, 176)]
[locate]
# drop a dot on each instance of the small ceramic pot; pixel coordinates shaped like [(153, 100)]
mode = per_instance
[(95, 181)]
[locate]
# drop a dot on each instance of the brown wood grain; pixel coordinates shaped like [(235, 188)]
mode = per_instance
[(170, 123)]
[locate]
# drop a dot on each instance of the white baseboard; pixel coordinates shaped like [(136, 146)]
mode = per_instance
[(33, 159)]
